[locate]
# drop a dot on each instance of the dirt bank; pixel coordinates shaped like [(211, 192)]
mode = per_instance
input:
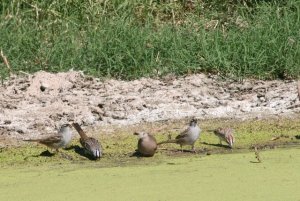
[(35, 105)]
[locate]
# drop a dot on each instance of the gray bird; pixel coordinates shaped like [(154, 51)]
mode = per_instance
[(187, 137), (225, 134), (61, 139), (91, 145), (147, 144)]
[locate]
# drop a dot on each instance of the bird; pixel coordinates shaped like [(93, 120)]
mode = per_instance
[(147, 144), (59, 140), (187, 137), (90, 144), (225, 134)]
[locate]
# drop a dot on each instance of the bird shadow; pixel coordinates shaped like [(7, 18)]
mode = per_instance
[(178, 150), (46, 153), (137, 154), (216, 145), (81, 151), (184, 151), (43, 154)]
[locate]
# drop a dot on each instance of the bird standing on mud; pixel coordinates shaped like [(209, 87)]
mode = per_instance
[(147, 144), (91, 145), (187, 137), (61, 139), (225, 134)]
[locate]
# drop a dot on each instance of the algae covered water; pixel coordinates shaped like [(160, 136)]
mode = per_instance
[(216, 177)]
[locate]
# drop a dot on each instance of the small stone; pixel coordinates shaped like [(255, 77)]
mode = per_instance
[(7, 121)]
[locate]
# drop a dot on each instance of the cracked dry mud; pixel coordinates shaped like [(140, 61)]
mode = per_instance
[(34, 105)]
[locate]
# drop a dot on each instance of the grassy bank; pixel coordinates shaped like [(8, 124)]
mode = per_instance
[(119, 146), (130, 39)]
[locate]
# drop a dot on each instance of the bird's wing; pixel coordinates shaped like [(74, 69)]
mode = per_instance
[(183, 134), (90, 143), (50, 140), (152, 138), (220, 132)]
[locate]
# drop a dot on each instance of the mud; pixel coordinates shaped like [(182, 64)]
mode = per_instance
[(35, 105)]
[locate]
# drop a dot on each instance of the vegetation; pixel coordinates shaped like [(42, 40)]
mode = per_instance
[(129, 39), (119, 146), (215, 177)]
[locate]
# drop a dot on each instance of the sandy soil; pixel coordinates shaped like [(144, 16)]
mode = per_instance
[(34, 105)]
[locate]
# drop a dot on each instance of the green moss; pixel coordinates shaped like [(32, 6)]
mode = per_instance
[(216, 177), (169, 175), (119, 147)]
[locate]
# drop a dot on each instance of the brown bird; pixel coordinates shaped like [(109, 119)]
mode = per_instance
[(225, 134), (91, 145), (147, 144), (187, 137), (59, 140)]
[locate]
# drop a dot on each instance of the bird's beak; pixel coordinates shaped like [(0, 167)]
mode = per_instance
[(210, 130), (135, 133)]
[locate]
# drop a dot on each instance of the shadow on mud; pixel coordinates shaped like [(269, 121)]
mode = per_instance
[(297, 137), (216, 145), (46, 153)]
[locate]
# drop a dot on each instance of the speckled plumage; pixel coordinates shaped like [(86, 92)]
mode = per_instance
[(225, 134), (90, 144)]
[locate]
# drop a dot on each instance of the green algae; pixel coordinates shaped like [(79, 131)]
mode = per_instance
[(215, 177), (27, 173)]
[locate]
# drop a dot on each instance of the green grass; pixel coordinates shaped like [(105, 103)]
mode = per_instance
[(131, 39)]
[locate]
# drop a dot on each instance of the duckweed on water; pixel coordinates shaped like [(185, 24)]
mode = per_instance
[(30, 173)]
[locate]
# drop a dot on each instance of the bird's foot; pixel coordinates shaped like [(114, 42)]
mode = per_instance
[(193, 149), (66, 156)]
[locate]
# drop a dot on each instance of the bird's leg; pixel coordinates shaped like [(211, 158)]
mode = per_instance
[(64, 155), (181, 148), (193, 148)]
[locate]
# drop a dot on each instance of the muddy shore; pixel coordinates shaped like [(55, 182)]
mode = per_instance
[(34, 105)]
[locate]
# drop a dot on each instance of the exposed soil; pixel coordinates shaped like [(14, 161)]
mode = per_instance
[(37, 104)]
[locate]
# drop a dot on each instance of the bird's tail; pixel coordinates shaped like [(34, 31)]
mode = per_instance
[(80, 131), (167, 141), (32, 140), (230, 140)]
